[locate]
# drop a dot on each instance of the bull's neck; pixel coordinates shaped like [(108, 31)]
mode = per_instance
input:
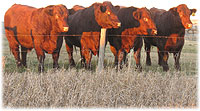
[(126, 18), (89, 19), (172, 22)]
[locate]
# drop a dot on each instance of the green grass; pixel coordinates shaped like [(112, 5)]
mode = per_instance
[(188, 59), (77, 87)]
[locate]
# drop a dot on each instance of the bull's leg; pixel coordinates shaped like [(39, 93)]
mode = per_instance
[(56, 53), (87, 55), (14, 46), (116, 61), (41, 63), (40, 55), (115, 53), (120, 58), (159, 57), (164, 56), (125, 59), (177, 58), (137, 54), (148, 50), (24, 55), (55, 56), (69, 49), (82, 59), (15, 51)]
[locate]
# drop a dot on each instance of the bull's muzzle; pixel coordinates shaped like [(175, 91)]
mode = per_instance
[(189, 25), (151, 31), (154, 31), (119, 24), (65, 29)]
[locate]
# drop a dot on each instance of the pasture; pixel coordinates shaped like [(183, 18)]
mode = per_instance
[(77, 87)]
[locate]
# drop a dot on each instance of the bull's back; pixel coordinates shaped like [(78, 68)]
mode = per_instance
[(163, 20), (19, 16), (156, 14), (80, 22), (75, 24), (127, 23), (17, 19)]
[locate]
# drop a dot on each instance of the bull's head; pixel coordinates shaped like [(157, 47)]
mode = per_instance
[(183, 12), (105, 15), (147, 26), (59, 14)]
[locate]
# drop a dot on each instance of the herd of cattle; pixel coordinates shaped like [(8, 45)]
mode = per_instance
[(43, 29)]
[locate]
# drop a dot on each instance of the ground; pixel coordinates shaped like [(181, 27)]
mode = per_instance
[(77, 87)]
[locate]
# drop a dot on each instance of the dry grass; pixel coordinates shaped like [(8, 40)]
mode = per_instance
[(80, 88), (69, 88)]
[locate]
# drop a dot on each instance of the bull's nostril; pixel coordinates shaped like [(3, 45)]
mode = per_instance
[(189, 25), (154, 31), (65, 29), (119, 24)]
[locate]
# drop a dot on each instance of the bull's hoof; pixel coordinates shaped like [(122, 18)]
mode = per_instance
[(120, 66), (23, 64), (72, 64), (159, 63), (88, 67), (148, 63), (19, 64), (165, 68), (56, 66), (178, 68), (126, 62), (40, 69)]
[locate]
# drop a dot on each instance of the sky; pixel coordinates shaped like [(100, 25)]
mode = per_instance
[(162, 4)]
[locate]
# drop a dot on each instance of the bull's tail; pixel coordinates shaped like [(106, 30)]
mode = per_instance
[(32, 38), (14, 29), (8, 28)]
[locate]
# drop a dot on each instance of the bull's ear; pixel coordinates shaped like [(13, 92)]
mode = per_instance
[(137, 15), (103, 8), (117, 8), (71, 11), (193, 11), (174, 10), (49, 11)]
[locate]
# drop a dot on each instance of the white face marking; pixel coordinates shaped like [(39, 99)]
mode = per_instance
[(57, 16), (65, 29), (146, 19)]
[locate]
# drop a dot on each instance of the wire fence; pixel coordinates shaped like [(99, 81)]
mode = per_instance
[(188, 61), (188, 55), (143, 36), (187, 37)]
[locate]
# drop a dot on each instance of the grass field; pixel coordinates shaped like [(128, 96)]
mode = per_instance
[(77, 87)]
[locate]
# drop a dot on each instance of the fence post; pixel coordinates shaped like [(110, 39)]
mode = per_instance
[(101, 50)]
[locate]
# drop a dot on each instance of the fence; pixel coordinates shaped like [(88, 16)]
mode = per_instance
[(188, 57)]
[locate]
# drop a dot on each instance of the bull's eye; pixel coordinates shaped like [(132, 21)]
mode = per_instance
[(146, 19), (108, 13)]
